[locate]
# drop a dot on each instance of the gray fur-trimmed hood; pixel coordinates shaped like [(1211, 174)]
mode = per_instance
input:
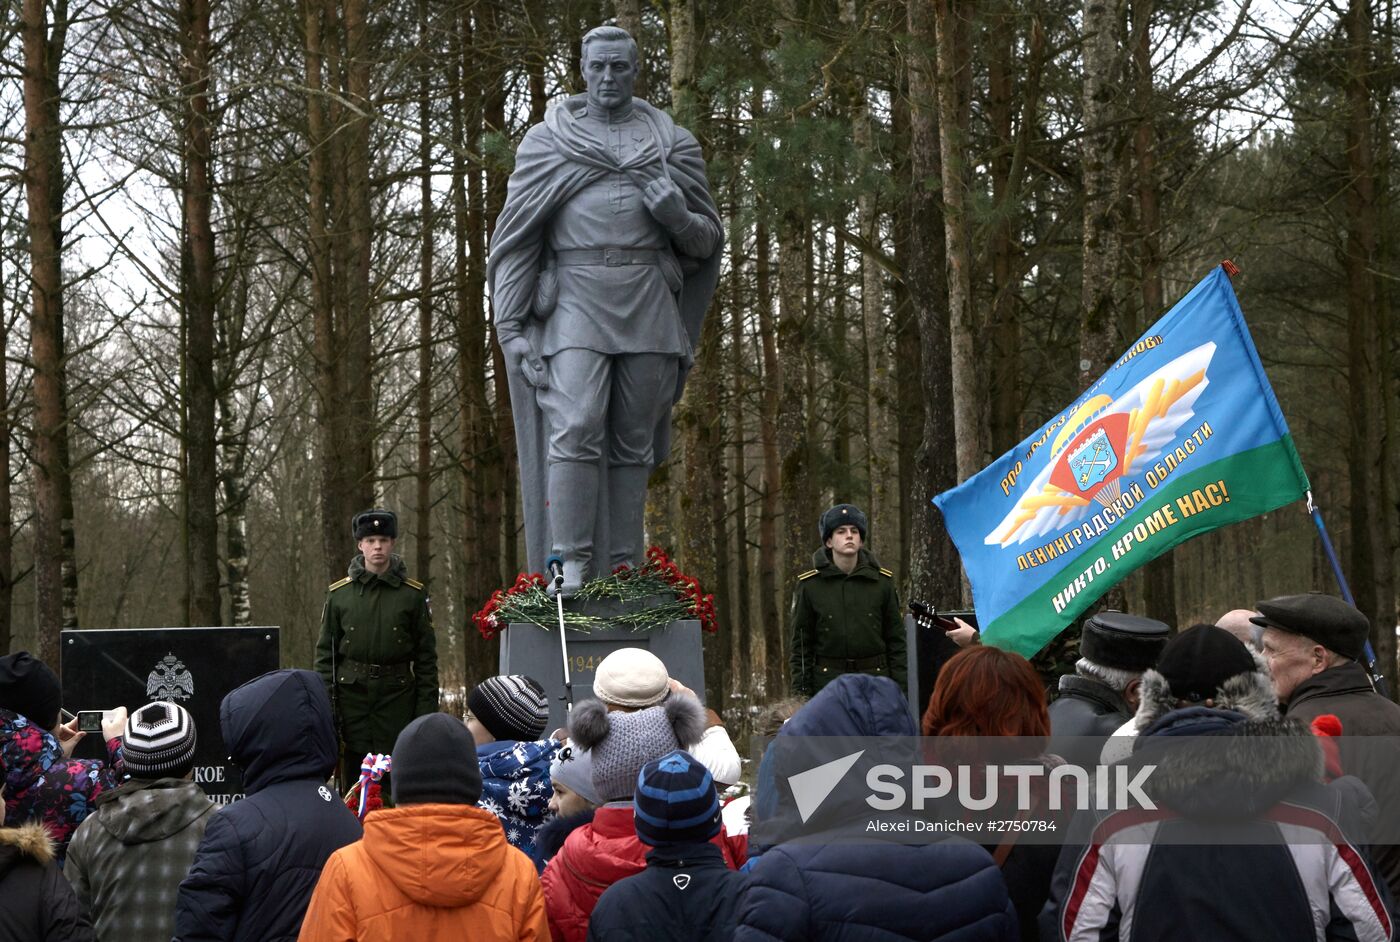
[(1250, 693), (1226, 776)]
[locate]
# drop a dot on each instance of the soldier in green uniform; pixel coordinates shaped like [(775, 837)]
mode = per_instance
[(845, 614), (377, 651)]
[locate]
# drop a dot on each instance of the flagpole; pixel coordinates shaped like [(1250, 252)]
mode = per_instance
[(1377, 678)]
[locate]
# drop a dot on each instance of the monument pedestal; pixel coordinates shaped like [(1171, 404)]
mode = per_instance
[(534, 651)]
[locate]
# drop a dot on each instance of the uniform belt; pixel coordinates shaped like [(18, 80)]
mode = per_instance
[(606, 258), (375, 671), (851, 663)]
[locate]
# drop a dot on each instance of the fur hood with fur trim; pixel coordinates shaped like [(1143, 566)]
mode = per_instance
[(27, 842), (1250, 693), (1231, 775), (36, 900)]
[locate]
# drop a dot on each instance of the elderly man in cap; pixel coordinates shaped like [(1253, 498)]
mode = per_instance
[(845, 613), (1314, 645), (1102, 693), (377, 652)]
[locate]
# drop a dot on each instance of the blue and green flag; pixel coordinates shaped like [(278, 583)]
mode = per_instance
[(1181, 435)]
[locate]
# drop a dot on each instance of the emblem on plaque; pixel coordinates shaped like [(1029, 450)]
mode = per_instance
[(170, 680)]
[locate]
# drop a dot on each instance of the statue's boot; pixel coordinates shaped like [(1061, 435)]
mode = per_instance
[(627, 506), (573, 509)]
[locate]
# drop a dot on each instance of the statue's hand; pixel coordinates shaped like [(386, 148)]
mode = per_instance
[(521, 358), (666, 203)]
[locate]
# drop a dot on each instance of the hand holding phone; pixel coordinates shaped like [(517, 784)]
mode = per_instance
[(68, 736), (113, 723)]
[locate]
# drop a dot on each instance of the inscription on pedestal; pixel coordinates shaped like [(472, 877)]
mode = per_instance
[(534, 651)]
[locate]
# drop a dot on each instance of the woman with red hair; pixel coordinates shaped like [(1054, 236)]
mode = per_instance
[(986, 692)]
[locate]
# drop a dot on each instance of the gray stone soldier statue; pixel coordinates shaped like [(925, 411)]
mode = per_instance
[(603, 261)]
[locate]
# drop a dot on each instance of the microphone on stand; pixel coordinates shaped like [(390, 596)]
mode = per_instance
[(555, 567)]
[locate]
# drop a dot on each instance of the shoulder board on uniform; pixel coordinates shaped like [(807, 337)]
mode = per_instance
[(886, 572), (335, 585), (415, 583), (806, 575)]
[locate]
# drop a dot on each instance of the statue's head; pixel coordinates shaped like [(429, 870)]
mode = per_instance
[(609, 61)]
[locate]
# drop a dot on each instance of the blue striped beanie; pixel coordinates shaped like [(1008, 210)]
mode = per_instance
[(676, 802)]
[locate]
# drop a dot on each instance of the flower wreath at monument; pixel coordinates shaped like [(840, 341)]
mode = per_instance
[(676, 596)]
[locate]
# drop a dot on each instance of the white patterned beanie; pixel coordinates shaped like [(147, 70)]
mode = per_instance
[(159, 741)]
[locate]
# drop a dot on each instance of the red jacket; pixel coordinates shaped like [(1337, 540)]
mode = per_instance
[(596, 856), (427, 872)]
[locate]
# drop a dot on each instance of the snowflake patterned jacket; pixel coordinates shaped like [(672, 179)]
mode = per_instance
[(515, 787), (43, 785)]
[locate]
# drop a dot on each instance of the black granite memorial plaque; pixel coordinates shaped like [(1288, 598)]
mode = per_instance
[(194, 667), (534, 651)]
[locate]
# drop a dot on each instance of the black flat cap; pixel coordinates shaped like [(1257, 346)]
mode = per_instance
[(375, 523), (1127, 642), (1324, 619)]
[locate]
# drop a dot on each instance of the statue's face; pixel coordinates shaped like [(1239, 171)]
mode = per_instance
[(609, 73)]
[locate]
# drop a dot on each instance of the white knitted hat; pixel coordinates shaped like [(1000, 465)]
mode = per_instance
[(631, 677), (159, 741)]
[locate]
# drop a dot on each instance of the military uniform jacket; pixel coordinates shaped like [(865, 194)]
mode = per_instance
[(385, 660), (845, 624)]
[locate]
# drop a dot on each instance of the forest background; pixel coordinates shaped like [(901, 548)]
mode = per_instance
[(242, 287)]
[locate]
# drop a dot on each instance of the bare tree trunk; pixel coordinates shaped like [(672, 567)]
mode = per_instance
[(1159, 582), (1372, 500), (44, 186), (1007, 169), (908, 373), (201, 441), (233, 478), (969, 400), (325, 341), (359, 446), (501, 453), (7, 537), (795, 361), (769, 562), (874, 373), (740, 607), (341, 236), (487, 435), (683, 58), (934, 563), (1099, 342), (233, 444), (794, 442), (839, 408), (423, 551), (480, 547)]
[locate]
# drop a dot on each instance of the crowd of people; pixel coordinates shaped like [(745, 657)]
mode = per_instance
[(614, 828)]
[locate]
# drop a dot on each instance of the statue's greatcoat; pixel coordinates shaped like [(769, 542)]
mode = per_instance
[(558, 159)]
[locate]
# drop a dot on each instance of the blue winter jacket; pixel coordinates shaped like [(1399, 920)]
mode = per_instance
[(515, 787), (877, 891), (260, 858)]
